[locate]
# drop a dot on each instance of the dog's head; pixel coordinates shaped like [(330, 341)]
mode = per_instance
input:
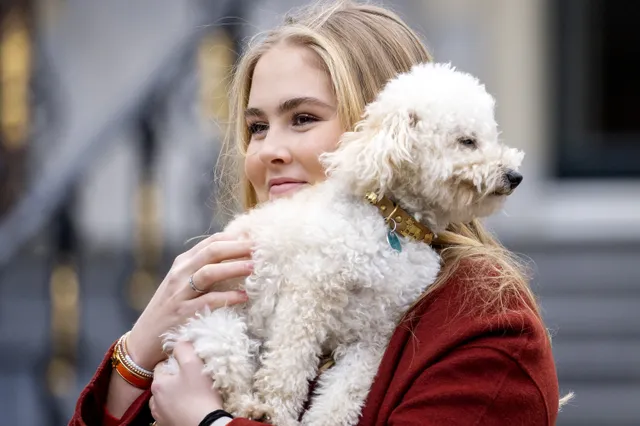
[(430, 141)]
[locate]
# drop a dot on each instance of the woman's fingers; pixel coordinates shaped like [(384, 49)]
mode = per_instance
[(186, 397), (220, 251), (152, 407), (208, 276), (219, 236), (185, 355), (193, 251)]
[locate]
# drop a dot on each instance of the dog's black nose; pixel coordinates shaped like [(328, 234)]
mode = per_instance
[(514, 178)]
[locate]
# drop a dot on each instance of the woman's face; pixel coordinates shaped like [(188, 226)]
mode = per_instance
[(292, 118)]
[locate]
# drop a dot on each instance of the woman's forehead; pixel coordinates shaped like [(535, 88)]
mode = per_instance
[(286, 72)]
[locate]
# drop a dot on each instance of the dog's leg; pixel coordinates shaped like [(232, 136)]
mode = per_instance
[(220, 338), (290, 360), (342, 390)]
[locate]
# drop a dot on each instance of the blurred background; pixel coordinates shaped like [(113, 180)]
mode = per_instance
[(109, 132)]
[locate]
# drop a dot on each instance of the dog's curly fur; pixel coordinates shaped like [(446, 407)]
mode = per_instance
[(326, 280)]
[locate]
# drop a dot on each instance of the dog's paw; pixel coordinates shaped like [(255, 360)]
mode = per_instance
[(256, 410)]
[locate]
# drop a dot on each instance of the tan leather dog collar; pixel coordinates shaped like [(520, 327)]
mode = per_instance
[(399, 220)]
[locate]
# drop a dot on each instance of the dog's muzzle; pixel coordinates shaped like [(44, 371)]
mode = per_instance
[(513, 179), (510, 181)]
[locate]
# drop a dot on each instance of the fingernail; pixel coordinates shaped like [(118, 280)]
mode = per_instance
[(250, 266)]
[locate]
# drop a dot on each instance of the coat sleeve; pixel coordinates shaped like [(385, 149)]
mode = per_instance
[(90, 407), (472, 386)]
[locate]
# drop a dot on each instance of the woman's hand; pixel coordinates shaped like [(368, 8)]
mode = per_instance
[(219, 257), (186, 397)]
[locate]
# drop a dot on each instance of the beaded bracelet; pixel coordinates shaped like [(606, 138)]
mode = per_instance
[(123, 364), (131, 372), (129, 361)]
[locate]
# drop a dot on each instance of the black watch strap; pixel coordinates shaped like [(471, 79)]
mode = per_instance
[(213, 416)]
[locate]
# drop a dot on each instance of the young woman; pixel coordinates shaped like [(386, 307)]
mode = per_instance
[(472, 351)]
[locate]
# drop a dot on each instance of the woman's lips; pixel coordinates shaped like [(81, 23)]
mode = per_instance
[(285, 188)]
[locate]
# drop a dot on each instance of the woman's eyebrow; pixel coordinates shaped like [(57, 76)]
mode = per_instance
[(288, 105), (293, 103)]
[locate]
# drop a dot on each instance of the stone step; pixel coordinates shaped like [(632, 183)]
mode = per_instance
[(592, 317), (601, 404), (597, 360)]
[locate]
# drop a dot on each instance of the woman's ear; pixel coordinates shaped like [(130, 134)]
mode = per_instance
[(371, 157)]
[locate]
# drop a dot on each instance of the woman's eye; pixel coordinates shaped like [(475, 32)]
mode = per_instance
[(256, 128), (302, 119)]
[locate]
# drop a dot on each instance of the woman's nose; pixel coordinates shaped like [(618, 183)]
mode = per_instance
[(274, 149)]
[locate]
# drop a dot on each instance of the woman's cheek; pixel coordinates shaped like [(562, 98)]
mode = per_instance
[(254, 171)]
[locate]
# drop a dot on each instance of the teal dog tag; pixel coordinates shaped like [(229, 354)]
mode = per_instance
[(394, 241)]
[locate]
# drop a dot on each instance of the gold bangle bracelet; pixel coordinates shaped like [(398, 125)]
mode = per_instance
[(132, 368), (128, 362), (126, 374)]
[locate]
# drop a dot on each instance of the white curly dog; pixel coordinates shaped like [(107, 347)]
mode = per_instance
[(327, 277)]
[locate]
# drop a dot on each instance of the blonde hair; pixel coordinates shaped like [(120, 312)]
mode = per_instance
[(362, 46)]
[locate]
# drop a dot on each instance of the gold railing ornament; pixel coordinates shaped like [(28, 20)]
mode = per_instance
[(216, 58), (147, 245), (64, 292), (15, 74)]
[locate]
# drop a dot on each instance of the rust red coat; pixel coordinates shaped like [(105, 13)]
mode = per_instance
[(446, 365)]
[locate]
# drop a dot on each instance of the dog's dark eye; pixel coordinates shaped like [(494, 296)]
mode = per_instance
[(468, 142)]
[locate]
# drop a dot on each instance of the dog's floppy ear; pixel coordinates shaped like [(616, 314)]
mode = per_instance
[(369, 158)]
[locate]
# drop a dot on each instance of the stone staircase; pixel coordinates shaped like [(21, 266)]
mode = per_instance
[(591, 301)]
